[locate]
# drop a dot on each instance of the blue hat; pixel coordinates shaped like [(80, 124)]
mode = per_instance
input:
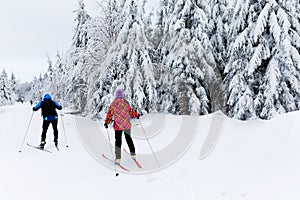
[(47, 96), (119, 93)]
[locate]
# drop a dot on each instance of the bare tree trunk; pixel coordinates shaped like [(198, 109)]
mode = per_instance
[(183, 99), (216, 92)]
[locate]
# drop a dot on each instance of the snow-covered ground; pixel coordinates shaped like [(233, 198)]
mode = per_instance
[(231, 160)]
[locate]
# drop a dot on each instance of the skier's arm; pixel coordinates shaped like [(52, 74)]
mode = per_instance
[(109, 116), (57, 105), (133, 114), (38, 106)]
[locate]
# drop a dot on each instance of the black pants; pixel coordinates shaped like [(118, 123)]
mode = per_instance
[(45, 128), (118, 142)]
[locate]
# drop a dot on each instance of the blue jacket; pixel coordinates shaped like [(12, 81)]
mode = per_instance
[(48, 107)]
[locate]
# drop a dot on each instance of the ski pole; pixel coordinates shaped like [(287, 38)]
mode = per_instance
[(62, 121), (20, 150), (111, 151), (156, 160)]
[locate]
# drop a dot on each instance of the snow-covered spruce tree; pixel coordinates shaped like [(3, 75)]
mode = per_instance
[(275, 25), (263, 70), (6, 93), (13, 87), (76, 62), (37, 89), (186, 60), (220, 19), (162, 36), (103, 30), (163, 13), (58, 83), (237, 83), (80, 38), (82, 61), (48, 78), (110, 23), (293, 7), (53, 83), (103, 33), (128, 65), (45, 83), (296, 13)]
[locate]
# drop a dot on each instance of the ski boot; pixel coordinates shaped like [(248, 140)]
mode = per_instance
[(41, 146), (133, 155), (118, 161), (55, 143)]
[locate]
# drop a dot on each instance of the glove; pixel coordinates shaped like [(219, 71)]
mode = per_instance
[(138, 116), (105, 125), (33, 109)]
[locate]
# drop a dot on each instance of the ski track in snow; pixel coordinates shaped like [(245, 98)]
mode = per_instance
[(96, 143), (252, 160), (4, 119)]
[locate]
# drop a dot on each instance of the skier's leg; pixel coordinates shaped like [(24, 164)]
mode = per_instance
[(118, 143), (45, 128), (55, 130), (129, 141)]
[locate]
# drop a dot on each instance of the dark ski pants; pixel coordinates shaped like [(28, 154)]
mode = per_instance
[(118, 142), (45, 128)]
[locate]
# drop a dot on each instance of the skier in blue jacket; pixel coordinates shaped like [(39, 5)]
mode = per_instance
[(49, 114)]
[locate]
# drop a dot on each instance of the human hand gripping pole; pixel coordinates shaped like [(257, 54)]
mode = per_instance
[(106, 126)]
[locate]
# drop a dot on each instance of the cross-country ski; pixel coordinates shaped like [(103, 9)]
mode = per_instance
[(134, 159), (37, 147), (116, 164)]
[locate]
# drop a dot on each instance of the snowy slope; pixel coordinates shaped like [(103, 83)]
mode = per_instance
[(250, 160)]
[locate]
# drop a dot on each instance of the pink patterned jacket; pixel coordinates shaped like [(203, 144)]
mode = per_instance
[(121, 111)]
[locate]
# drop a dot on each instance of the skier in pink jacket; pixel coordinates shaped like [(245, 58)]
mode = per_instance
[(121, 111)]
